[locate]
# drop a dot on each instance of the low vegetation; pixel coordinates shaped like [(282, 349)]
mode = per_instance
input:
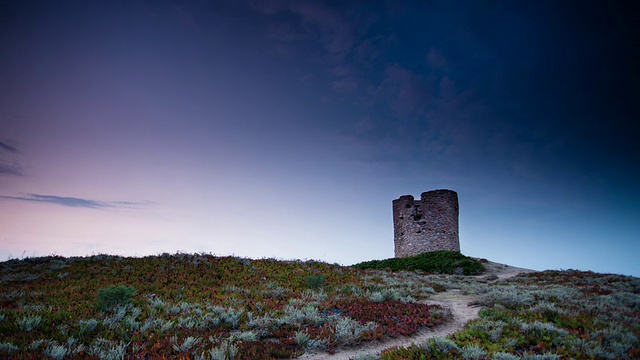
[(545, 315), (434, 262), (115, 296), (199, 306)]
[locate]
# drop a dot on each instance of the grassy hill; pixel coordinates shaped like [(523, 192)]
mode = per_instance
[(198, 306)]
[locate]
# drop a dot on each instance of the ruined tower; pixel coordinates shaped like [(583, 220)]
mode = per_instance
[(428, 224)]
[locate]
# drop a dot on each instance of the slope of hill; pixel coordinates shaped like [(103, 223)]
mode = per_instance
[(198, 306)]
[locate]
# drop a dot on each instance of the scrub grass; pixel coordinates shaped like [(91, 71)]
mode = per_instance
[(196, 306), (200, 306), (546, 315)]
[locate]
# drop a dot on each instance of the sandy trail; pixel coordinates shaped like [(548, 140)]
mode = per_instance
[(453, 300)]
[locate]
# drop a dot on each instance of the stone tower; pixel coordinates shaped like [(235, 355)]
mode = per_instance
[(428, 224)]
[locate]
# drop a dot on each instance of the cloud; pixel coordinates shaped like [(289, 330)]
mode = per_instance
[(335, 33), (7, 147), (283, 32), (406, 91), (71, 201), (345, 78), (8, 167), (436, 61)]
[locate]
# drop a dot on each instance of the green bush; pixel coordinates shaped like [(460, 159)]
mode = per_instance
[(116, 295), (315, 281), (434, 262)]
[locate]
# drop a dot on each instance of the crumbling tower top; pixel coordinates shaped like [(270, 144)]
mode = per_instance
[(428, 224)]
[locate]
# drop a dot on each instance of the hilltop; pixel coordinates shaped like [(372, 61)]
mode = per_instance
[(200, 306)]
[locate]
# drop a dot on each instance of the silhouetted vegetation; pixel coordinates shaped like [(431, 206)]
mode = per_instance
[(434, 262)]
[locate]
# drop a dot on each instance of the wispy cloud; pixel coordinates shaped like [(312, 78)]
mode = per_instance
[(7, 147), (8, 167), (72, 201), (318, 24)]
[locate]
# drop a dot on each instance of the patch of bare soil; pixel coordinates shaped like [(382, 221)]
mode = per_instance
[(453, 300), (503, 271)]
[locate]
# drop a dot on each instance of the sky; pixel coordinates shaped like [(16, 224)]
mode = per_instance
[(284, 129)]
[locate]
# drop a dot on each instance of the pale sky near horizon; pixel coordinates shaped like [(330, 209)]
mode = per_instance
[(286, 128)]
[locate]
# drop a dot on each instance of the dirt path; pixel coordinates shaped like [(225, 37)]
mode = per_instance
[(453, 300), (503, 271)]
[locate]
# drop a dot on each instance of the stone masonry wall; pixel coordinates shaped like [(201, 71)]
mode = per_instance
[(428, 224)]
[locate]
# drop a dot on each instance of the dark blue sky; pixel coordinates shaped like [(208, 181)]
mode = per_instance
[(285, 129)]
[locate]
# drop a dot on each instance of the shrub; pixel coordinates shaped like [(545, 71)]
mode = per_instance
[(56, 352), (349, 331), (244, 336), (7, 347), (28, 322), (439, 262), (225, 351), (115, 296), (444, 345), (504, 356), (434, 348), (231, 317), (315, 281), (473, 352), (187, 344), (301, 338), (87, 325)]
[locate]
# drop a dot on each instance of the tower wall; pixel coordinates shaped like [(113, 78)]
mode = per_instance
[(428, 224)]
